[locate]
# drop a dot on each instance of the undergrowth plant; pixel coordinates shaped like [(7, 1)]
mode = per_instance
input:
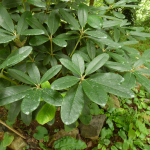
[(67, 54)]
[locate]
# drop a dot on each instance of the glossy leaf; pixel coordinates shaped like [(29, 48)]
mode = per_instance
[(139, 62), (46, 114), (95, 21), (146, 54), (33, 72), (14, 110), (31, 101), (12, 94), (26, 118), (72, 104), (22, 24), (79, 62), (60, 42), (51, 73), (32, 32), (37, 3), (91, 49), (95, 92), (5, 20), (53, 21), (143, 80), (82, 14), (68, 143), (71, 66), (129, 81), (21, 76), (132, 51), (97, 34), (69, 18), (114, 88), (38, 40), (51, 97), (96, 63), (118, 66), (35, 24), (6, 39), (64, 82), (117, 57), (16, 56)]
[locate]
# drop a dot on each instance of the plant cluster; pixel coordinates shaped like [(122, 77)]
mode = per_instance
[(68, 54)]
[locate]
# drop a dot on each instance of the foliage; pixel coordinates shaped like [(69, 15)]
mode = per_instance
[(49, 49), (68, 143), (129, 122)]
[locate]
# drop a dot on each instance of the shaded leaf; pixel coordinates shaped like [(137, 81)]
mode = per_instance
[(26, 118), (12, 94), (37, 3), (6, 39), (38, 40), (60, 42), (51, 97), (32, 32)]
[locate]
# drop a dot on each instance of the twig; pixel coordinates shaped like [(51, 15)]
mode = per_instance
[(3, 123)]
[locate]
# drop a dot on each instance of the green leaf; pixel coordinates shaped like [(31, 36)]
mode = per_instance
[(35, 24), (96, 63), (71, 66), (42, 131), (51, 97), (38, 40), (16, 56), (31, 101), (6, 39), (95, 21), (51, 73), (33, 72), (14, 110), (91, 49), (21, 76), (122, 134), (68, 143), (139, 62), (132, 51), (116, 34), (11, 4), (105, 41), (113, 87), (69, 18), (95, 92), (118, 15), (22, 24), (113, 148), (97, 34), (131, 132), (5, 19), (106, 133), (143, 71), (117, 57), (32, 32), (37, 3), (15, 93), (46, 114), (125, 145), (64, 82), (118, 66), (26, 118), (46, 84), (108, 24), (140, 34), (129, 81), (53, 21), (143, 80), (82, 14), (146, 54), (1, 146), (60, 42), (7, 139), (79, 62), (72, 104)]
